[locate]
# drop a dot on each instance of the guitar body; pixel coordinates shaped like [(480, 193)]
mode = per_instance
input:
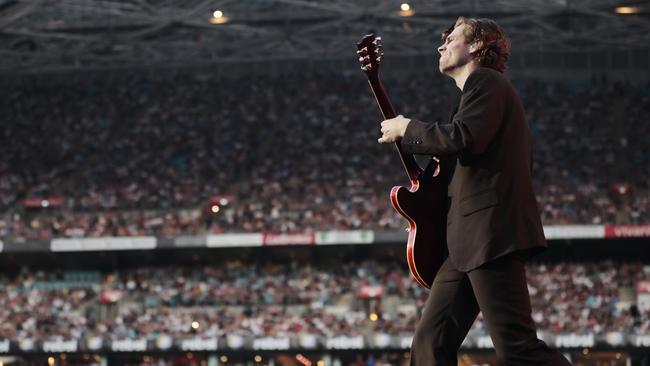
[(424, 204)]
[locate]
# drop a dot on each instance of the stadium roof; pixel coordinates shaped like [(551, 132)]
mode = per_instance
[(47, 34)]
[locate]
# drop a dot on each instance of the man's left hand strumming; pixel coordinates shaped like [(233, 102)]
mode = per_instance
[(393, 129)]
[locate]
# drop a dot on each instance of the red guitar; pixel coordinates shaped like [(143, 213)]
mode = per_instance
[(424, 204)]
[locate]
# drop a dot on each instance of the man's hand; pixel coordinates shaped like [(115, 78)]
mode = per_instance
[(393, 129)]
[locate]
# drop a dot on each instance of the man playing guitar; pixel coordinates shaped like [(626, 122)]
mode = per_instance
[(493, 223)]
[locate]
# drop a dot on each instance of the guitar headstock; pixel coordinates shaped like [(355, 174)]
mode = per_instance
[(370, 53)]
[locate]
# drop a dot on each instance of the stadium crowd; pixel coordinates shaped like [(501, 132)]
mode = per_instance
[(284, 300), (130, 154)]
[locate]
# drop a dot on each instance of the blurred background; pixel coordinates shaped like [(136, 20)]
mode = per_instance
[(199, 183)]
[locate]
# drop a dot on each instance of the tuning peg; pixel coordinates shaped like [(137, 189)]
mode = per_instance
[(363, 51), (364, 59)]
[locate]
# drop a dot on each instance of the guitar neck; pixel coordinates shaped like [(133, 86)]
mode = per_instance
[(411, 166)]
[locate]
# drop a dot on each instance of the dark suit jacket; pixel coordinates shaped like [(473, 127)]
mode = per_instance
[(493, 210)]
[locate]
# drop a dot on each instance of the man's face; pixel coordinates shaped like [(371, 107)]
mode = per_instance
[(455, 51)]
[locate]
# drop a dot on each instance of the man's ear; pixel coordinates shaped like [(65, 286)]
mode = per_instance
[(475, 46)]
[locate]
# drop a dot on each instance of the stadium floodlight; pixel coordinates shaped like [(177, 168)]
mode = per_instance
[(218, 17), (627, 10), (405, 10)]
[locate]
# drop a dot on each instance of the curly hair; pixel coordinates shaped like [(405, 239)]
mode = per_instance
[(496, 46)]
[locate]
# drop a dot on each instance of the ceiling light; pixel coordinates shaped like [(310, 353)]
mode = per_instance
[(627, 10)]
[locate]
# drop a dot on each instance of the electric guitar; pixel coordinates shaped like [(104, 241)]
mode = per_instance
[(424, 203)]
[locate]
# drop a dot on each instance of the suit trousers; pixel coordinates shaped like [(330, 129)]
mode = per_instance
[(499, 290)]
